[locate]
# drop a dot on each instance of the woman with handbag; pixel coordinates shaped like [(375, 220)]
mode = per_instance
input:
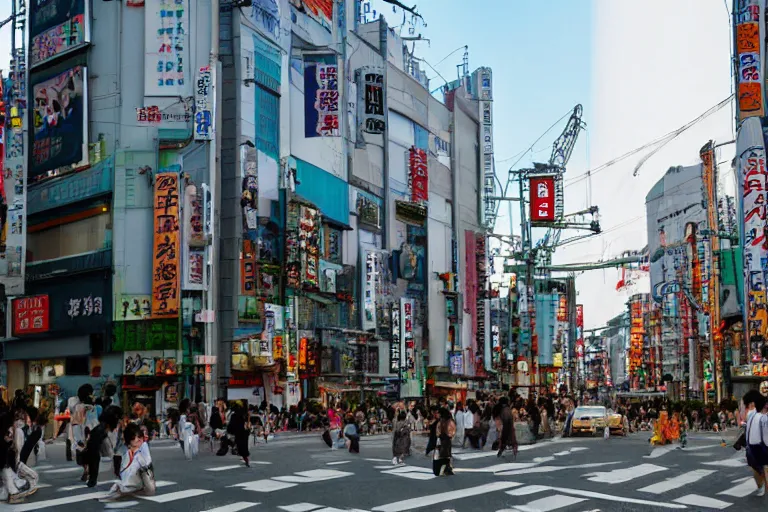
[(446, 429), (137, 474), (756, 435)]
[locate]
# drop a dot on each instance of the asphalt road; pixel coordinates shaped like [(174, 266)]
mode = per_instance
[(300, 474)]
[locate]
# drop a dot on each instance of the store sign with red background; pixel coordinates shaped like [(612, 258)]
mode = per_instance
[(542, 199), (30, 314)]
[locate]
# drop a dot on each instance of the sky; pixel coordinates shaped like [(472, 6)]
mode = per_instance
[(5, 36), (639, 72)]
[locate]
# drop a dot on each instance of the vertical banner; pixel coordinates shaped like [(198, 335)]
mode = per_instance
[(249, 200), (56, 27), (165, 264), (194, 240), (309, 244), (60, 134), (418, 175), (709, 179), (368, 310), (372, 101), (204, 105), (485, 93), (636, 339), (749, 73), (406, 334), (321, 99), (166, 62), (542, 198), (752, 185), (580, 332), (395, 345)]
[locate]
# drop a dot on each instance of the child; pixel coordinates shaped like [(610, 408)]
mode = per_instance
[(136, 472)]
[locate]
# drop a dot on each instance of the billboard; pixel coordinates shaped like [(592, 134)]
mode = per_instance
[(371, 100), (418, 175), (30, 314), (407, 311), (204, 105), (749, 64), (321, 99), (166, 57), (484, 92), (57, 27), (165, 255), (395, 345), (752, 184), (542, 192), (60, 121)]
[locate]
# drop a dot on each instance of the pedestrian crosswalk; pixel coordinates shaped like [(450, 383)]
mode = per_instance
[(518, 486)]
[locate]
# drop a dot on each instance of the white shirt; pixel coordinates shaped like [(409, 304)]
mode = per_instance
[(756, 422), (469, 419)]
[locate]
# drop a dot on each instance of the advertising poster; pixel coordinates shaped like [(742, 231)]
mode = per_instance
[(165, 264), (166, 61), (321, 99), (204, 105), (140, 363), (542, 192), (133, 307), (56, 27), (30, 314), (369, 290), (418, 175), (60, 121), (372, 101), (749, 64)]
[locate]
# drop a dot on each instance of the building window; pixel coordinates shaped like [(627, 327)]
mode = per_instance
[(79, 237)]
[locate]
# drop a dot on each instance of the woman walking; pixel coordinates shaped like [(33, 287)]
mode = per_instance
[(401, 438), (446, 429), (239, 427), (756, 436)]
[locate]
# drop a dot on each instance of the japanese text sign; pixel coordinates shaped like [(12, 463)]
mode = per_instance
[(165, 264), (203, 110), (30, 314), (418, 176), (542, 199)]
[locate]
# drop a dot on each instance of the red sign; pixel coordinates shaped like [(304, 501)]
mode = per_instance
[(542, 199), (30, 314), (419, 176)]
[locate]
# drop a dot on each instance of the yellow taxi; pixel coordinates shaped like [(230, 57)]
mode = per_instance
[(591, 419)]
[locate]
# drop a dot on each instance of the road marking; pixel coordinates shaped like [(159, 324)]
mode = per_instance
[(743, 489), (264, 485), (678, 481), (550, 503), (38, 505), (659, 451), (412, 472), (83, 486), (338, 462), (378, 460), (702, 501), (225, 468), (497, 468), (434, 499), (479, 455), (62, 470), (234, 507), (619, 476), (40, 468), (539, 460), (533, 489), (300, 507), (727, 463), (548, 469), (315, 475), (121, 505), (178, 495)]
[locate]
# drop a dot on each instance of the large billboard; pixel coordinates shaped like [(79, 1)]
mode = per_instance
[(56, 27), (542, 191), (60, 121), (165, 256), (749, 71), (167, 67), (321, 99), (484, 92)]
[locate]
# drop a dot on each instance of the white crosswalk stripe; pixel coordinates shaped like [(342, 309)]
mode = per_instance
[(550, 503), (233, 507), (696, 500), (742, 489), (677, 481), (620, 476), (175, 496)]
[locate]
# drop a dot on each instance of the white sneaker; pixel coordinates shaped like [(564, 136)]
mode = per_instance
[(761, 491), (394, 461)]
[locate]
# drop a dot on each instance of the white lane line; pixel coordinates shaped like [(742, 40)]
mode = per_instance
[(300, 507), (339, 462), (83, 486), (539, 460), (378, 460), (434, 499), (57, 502), (225, 468), (497, 468), (178, 495), (523, 448), (234, 507), (44, 466), (315, 475), (548, 469), (416, 476), (619, 476), (678, 481), (121, 505), (533, 489), (727, 463), (408, 469), (659, 451), (696, 500), (742, 490), (62, 470), (264, 485), (550, 503)]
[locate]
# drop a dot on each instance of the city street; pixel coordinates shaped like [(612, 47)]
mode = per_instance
[(299, 474)]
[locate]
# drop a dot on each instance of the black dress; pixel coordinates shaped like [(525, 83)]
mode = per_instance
[(237, 428)]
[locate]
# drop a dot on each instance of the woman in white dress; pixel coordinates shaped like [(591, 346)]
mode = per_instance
[(136, 471)]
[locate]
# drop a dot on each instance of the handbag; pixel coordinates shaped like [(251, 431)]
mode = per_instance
[(741, 440), (147, 474)]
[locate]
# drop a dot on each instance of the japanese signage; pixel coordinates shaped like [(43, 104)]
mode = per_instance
[(166, 63), (309, 246), (562, 309), (580, 331), (204, 105), (194, 240), (249, 199), (457, 363), (321, 99), (56, 27), (85, 306), (165, 265), (752, 185), (749, 74), (407, 307), (155, 115), (369, 290), (30, 314), (371, 89), (195, 270), (133, 307), (60, 133), (418, 175), (542, 190), (395, 345), (636, 335), (485, 96), (319, 10)]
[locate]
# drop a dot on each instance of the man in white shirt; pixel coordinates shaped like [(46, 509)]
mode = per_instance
[(756, 437), (469, 422)]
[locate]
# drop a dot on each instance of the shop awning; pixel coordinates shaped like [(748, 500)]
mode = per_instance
[(450, 385)]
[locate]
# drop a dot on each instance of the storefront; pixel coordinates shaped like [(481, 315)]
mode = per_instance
[(746, 377), (151, 378)]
